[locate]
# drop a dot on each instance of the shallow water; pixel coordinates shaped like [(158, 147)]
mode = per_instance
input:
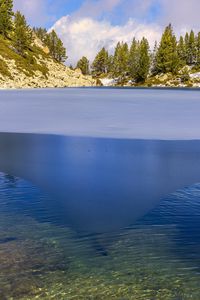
[(156, 258)]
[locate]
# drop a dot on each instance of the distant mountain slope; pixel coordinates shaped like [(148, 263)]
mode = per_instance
[(37, 69)]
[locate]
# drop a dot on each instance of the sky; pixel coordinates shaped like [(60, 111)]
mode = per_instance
[(85, 26)]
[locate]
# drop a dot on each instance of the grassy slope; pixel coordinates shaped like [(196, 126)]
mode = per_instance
[(27, 64)]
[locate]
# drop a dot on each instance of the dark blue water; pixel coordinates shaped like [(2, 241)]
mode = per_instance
[(99, 185), (156, 258), (44, 254)]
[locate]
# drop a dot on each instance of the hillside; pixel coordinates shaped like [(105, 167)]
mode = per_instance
[(36, 69)]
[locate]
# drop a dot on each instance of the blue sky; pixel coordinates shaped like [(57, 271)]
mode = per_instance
[(87, 25), (46, 12), (56, 9)]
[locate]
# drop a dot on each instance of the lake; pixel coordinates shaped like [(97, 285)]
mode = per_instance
[(100, 194)]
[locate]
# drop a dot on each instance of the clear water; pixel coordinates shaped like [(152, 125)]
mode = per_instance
[(89, 222), (156, 258)]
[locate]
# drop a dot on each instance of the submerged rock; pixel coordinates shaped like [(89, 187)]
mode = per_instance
[(7, 240)]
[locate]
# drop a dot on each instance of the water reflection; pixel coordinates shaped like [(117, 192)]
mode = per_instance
[(100, 185)]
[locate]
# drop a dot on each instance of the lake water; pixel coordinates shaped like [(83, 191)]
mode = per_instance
[(157, 257), (110, 211)]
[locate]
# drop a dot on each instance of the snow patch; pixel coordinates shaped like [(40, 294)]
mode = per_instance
[(108, 81), (195, 75)]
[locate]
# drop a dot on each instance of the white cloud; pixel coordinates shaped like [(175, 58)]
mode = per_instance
[(183, 14), (87, 36)]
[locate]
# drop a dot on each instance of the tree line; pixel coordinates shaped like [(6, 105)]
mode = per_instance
[(13, 26), (137, 61)]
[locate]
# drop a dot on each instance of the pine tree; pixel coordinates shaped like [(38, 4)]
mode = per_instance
[(60, 52), (116, 60), (198, 50), (109, 63), (167, 57), (190, 48), (124, 58), (153, 59), (41, 33), (100, 64), (51, 42), (186, 39), (6, 14), (181, 49), (120, 60), (22, 35), (133, 59), (83, 64), (56, 47), (143, 61)]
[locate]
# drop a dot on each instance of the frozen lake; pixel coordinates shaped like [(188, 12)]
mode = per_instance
[(116, 113)]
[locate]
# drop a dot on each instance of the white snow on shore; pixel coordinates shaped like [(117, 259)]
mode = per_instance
[(195, 75), (108, 81)]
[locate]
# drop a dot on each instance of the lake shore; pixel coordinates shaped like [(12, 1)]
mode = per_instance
[(167, 80)]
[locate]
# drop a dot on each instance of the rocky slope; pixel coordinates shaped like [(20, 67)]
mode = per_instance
[(36, 70), (186, 77), (162, 80)]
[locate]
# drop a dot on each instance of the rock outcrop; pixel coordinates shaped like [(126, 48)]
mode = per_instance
[(58, 75), (37, 69)]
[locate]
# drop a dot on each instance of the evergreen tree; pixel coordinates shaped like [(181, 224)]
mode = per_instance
[(153, 59), (133, 59), (186, 39), (100, 64), (60, 52), (190, 48), (181, 49), (22, 35), (120, 60), (167, 57), (143, 61), (116, 60), (6, 14), (198, 50), (41, 33), (83, 64), (56, 47), (51, 42), (109, 63), (124, 58)]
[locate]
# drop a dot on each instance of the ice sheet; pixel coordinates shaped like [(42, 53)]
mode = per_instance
[(101, 112)]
